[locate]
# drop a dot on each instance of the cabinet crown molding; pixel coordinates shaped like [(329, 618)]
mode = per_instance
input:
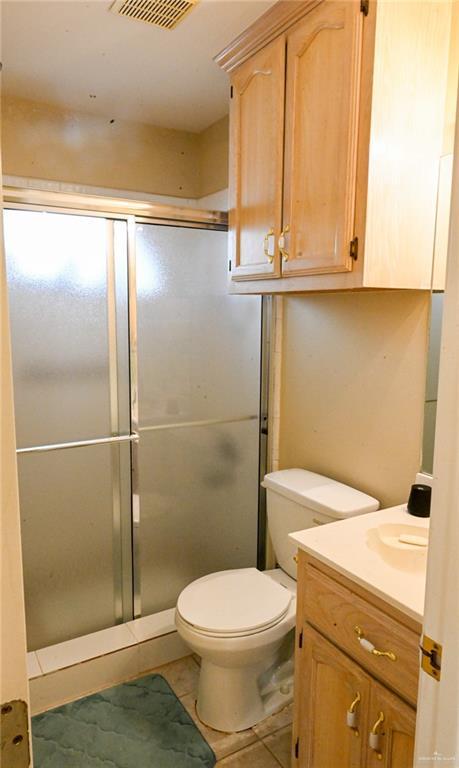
[(264, 30)]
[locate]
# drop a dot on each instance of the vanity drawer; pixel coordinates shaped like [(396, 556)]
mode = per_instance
[(342, 616)]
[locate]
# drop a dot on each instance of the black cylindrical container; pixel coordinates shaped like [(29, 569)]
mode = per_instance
[(419, 501)]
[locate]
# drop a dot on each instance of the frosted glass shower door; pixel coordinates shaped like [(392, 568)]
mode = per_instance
[(199, 391), (68, 288)]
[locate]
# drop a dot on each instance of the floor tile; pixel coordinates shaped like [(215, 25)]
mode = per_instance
[(256, 756), (280, 744), (223, 744), (274, 722), (182, 675)]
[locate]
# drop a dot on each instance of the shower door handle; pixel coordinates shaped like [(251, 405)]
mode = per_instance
[(132, 438)]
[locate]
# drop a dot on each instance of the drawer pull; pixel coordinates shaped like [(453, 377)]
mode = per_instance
[(374, 737), (351, 715), (368, 646)]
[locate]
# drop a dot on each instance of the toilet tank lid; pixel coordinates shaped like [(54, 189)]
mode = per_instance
[(319, 493)]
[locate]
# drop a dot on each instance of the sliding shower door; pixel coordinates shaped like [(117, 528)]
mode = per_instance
[(199, 389), (68, 290), (137, 398)]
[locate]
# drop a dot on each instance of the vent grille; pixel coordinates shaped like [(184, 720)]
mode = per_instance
[(163, 13)]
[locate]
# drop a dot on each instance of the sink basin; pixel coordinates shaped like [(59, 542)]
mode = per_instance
[(390, 533)]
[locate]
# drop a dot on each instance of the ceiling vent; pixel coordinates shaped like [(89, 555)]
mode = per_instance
[(163, 13)]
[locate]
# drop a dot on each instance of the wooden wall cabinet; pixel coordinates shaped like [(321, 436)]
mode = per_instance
[(257, 131), (336, 118), (446, 161), (349, 712)]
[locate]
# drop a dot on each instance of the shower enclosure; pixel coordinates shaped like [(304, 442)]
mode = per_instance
[(137, 397)]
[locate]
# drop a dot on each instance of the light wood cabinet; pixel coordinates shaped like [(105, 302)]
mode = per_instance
[(331, 685), (395, 734), (349, 712), (446, 162), (344, 617), (322, 101), (339, 157), (256, 147)]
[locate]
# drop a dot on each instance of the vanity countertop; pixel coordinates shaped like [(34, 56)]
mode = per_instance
[(353, 548)]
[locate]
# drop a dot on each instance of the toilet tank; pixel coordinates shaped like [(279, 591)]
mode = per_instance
[(297, 499)]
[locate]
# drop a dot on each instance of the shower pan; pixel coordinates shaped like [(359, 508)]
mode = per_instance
[(137, 398)]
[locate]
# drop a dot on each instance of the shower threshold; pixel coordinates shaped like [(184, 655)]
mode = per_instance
[(67, 671)]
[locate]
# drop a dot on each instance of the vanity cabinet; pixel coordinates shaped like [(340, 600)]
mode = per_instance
[(336, 125), (330, 685), (395, 734), (353, 708)]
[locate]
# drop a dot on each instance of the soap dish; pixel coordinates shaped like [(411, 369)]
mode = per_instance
[(398, 536)]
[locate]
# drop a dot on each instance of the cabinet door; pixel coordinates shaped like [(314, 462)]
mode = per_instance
[(328, 685), (394, 747), (256, 151), (323, 74)]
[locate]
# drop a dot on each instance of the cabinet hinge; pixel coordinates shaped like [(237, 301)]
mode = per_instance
[(354, 248), (231, 92), (15, 737), (300, 639), (364, 6), (297, 748), (431, 657)]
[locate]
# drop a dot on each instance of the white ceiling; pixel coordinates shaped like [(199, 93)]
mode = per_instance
[(66, 52)]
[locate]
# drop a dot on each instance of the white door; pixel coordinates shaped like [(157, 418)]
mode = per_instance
[(437, 725), (14, 688)]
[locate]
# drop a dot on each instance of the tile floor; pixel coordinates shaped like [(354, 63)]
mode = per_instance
[(266, 745)]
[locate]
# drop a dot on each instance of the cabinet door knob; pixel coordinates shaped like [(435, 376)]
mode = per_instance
[(351, 715), (368, 646), (269, 256), (281, 243), (374, 737)]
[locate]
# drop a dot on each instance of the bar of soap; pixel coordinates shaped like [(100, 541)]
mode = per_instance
[(419, 541)]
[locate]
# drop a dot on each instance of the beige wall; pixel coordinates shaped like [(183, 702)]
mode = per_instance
[(353, 387), (43, 142), (214, 149)]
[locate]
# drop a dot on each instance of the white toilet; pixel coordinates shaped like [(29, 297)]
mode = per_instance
[(241, 622)]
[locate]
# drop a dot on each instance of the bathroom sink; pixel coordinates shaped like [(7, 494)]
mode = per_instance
[(402, 536)]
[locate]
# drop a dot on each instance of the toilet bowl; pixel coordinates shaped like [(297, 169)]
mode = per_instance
[(241, 651), (241, 622)]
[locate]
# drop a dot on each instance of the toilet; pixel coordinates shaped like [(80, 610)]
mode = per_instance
[(241, 622)]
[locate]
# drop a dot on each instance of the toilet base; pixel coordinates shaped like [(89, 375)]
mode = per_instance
[(230, 700)]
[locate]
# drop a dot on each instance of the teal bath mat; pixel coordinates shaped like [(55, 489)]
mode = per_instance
[(140, 724)]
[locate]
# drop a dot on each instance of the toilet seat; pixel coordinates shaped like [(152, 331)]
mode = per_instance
[(233, 603)]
